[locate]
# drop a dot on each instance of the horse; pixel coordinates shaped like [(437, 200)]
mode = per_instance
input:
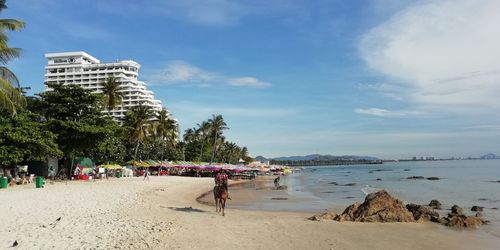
[(220, 197)]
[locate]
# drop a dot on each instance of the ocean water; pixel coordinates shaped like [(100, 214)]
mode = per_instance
[(465, 183)]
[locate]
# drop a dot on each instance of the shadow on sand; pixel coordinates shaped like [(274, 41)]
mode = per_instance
[(186, 209)]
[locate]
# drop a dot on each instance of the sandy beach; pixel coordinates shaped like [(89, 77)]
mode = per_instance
[(163, 213)]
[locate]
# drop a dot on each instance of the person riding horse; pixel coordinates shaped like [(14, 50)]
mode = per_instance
[(221, 179)]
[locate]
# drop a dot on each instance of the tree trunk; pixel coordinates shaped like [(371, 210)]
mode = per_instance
[(214, 149), (162, 151), (201, 152), (135, 151)]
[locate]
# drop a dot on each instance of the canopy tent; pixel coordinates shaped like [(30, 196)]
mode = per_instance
[(84, 162), (139, 164), (257, 164), (152, 163), (166, 164), (111, 166)]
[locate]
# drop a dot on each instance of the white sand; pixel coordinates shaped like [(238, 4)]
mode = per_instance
[(136, 214)]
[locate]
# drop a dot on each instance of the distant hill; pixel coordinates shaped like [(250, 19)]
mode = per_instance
[(489, 157), (318, 157), (260, 158)]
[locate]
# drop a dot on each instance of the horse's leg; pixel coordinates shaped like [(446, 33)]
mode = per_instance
[(220, 206), (216, 201), (223, 204)]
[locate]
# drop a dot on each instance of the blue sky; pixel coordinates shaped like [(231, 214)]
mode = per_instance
[(387, 78)]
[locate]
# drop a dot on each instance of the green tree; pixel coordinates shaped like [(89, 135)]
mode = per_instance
[(231, 152), (203, 132), (244, 155), (190, 149), (112, 149), (23, 137), (113, 95), (218, 126), (197, 141), (11, 98), (166, 131), (75, 116), (137, 120)]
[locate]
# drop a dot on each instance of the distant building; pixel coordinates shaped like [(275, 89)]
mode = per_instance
[(82, 69)]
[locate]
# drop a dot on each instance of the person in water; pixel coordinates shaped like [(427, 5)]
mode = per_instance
[(277, 182)]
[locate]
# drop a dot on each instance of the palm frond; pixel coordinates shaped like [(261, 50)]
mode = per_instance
[(11, 24), (3, 5), (11, 98), (7, 54), (9, 76)]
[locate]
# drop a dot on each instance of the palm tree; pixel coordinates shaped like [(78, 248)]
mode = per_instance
[(11, 97), (244, 153), (218, 125), (166, 130), (230, 151), (203, 131), (112, 93), (189, 135), (138, 121)]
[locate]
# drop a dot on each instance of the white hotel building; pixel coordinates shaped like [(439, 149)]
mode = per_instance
[(85, 70)]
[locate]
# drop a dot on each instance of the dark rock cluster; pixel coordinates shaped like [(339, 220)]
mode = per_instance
[(381, 207)]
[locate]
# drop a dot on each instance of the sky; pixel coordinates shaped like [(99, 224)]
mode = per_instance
[(385, 78)]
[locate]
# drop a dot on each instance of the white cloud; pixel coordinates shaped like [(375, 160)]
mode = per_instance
[(386, 113), (248, 82), (181, 72), (445, 52)]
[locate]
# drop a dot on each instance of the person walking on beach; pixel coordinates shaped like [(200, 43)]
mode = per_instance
[(146, 175), (277, 182), (52, 174)]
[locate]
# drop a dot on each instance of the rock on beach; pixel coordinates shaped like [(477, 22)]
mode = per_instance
[(377, 207), (423, 213), (435, 204), (382, 207)]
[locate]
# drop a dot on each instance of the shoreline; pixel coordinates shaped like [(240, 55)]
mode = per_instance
[(164, 213)]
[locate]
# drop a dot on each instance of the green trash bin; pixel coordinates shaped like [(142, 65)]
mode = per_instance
[(39, 182), (4, 182), (118, 174)]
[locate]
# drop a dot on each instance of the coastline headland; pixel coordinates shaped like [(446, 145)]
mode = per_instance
[(325, 162)]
